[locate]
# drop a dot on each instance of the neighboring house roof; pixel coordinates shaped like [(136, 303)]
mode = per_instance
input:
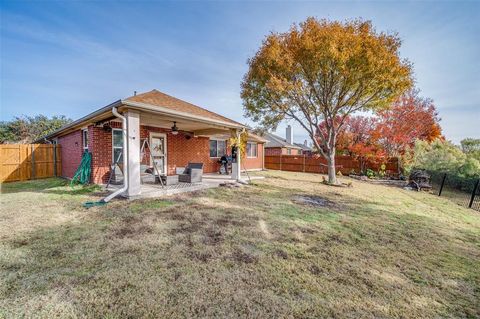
[(277, 141), (303, 146), (152, 101)]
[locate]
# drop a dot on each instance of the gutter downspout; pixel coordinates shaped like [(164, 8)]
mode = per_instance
[(125, 159)]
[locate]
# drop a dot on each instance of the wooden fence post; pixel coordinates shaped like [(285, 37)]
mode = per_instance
[(33, 161), (280, 161), (399, 171), (304, 163), (55, 160), (473, 193), (443, 183)]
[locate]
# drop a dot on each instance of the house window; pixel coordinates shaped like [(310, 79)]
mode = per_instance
[(117, 145), (251, 149), (289, 151), (85, 139), (218, 148)]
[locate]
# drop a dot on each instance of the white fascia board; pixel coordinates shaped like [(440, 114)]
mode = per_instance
[(81, 121), (179, 114)]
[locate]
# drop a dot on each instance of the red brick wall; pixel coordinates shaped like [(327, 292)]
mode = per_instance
[(273, 151), (254, 162), (72, 150), (100, 145), (281, 151), (101, 148), (180, 151)]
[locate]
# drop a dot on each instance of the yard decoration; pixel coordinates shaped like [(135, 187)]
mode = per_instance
[(418, 180), (324, 70)]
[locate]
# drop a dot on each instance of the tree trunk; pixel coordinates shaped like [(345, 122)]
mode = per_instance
[(332, 177)]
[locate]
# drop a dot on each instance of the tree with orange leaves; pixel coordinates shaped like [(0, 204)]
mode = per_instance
[(322, 70)]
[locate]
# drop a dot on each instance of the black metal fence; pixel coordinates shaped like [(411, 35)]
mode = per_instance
[(463, 191)]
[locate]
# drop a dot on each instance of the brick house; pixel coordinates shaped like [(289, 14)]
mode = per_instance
[(276, 145), (179, 132)]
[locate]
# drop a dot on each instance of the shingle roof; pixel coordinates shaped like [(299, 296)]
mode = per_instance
[(303, 146), (151, 99), (276, 141), (157, 98)]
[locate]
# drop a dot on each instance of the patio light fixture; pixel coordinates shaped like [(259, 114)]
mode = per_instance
[(174, 128)]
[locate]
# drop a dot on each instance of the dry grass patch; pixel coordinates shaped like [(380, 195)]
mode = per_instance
[(375, 251)]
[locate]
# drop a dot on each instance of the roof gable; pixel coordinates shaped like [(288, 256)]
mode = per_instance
[(157, 98), (149, 100)]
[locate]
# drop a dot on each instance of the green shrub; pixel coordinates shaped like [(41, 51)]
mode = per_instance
[(370, 173), (453, 181), (444, 156), (471, 146)]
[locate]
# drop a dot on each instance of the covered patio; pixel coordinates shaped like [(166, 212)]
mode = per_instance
[(162, 142)]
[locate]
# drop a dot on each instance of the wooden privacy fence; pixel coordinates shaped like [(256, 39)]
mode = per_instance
[(318, 164), (20, 162)]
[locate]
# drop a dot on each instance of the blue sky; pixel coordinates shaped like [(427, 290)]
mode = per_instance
[(72, 57)]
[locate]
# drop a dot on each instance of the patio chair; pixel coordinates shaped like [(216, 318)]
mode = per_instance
[(190, 174)]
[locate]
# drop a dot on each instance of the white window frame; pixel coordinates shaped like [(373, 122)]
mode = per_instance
[(255, 146), (217, 140), (85, 141), (113, 145)]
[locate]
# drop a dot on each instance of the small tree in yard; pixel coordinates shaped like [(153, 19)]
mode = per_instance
[(356, 139), (324, 71)]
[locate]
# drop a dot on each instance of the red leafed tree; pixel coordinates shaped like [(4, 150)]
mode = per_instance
[(391, 132), (411, 117), (357, 140)]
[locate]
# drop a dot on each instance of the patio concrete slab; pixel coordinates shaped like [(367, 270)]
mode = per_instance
[(150, 190)]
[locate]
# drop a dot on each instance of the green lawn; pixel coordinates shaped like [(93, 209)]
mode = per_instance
[(254, 252)]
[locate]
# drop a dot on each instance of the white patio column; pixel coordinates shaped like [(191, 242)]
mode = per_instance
[(133, 153), (236, 166)]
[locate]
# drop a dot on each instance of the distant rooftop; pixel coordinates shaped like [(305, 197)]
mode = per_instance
[(277, 141), (303, 146)]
